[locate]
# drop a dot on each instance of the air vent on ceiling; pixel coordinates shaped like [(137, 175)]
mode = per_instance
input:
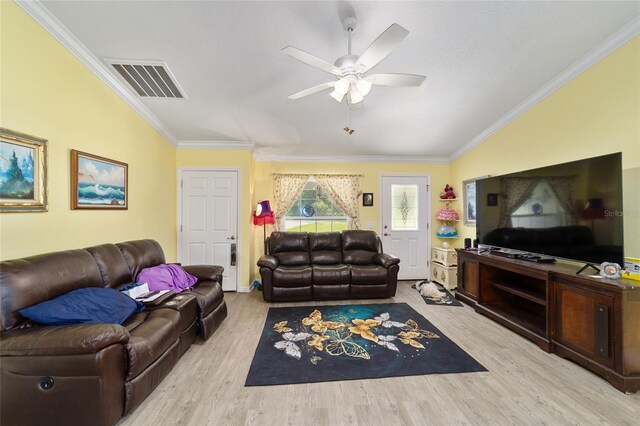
[(149, 80)]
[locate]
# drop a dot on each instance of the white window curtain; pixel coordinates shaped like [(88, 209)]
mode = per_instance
[(286, 190), (562, 188), (515, 191), (344, 190)]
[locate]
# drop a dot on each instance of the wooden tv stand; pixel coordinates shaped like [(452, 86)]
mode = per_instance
[(593, 322)]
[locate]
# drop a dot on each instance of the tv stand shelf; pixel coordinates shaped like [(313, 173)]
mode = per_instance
[(593, 322), (525, 294), (524, 321)]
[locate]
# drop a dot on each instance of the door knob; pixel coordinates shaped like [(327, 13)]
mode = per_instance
[(386, 235), (231, 237)]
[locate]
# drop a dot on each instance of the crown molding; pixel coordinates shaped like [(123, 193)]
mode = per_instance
[(216, 145), (42, 16), (48, 21), (349, 159), (612, 43)]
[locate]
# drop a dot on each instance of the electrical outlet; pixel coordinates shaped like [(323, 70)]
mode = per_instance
[(371, 225)]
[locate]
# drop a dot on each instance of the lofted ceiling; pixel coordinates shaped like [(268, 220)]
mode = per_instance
[(484, 62)]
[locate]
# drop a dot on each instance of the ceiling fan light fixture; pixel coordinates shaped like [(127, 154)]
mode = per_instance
[(355, 96), (364, 86), (342, 86), (337, 96)]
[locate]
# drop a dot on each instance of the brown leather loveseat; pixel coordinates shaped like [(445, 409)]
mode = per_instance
[(326, 265), (94, 373)]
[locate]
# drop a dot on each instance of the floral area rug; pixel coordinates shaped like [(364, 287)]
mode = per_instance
[(309, 344)]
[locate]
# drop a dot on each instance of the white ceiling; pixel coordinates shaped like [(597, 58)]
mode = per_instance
[(481, 59)]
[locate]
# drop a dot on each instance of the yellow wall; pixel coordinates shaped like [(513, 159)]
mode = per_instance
[(597, 113), (241, 159), (256, 183), (45, 91), (263, 186)]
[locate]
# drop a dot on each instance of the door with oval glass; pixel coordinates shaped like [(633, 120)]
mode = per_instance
[(208, 233), (405, 223)]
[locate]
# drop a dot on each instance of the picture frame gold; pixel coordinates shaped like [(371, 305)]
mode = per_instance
[(23, 174), (98, 183)]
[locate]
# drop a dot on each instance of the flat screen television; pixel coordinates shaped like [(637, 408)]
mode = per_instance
[(571, 211)]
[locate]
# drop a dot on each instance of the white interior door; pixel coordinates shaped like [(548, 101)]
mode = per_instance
[(209, 221), (405, 223)]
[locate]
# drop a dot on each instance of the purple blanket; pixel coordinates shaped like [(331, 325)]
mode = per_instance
[(166, 277)]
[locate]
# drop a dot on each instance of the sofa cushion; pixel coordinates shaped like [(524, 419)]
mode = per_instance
[(59, 341), (359, 247), (141, 254), (34, 279), (331, 274), (209, 295), (290, 248), (292, 294), (292, 276), (368, 274), (151, 334), (84, 306), (112, 264), (331, 291), (326, 248)]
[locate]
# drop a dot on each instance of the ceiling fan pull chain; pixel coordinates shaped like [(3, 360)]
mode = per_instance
[(348, 130)]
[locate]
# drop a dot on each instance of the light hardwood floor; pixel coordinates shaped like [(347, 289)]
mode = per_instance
[(524, 385)]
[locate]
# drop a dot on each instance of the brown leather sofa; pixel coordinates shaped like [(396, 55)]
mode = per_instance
[(326, 265), (93, 374)]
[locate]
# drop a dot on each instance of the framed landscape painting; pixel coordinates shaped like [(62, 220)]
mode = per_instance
[(469, 199), (23, 172), (98, 183)]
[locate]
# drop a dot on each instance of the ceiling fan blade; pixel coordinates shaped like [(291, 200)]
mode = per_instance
[(312, 90), (309, 59), (381, 47), (396, 79)]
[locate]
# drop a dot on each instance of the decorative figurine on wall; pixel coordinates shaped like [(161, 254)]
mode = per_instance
[(448, 193)]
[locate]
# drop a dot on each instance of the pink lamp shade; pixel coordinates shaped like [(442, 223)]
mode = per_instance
[(263, 214)]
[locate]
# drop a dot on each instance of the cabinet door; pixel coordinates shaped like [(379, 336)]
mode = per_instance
[(584, 323), (468, 281)]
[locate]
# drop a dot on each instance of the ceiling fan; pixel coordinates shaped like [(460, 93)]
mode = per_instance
[(350, 70)]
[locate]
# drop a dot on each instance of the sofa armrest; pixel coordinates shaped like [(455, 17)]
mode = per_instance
[(61, 339), (205, 272), (268, 261), (385, 260)]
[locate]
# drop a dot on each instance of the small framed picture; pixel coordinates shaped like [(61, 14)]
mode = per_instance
[(367, 199), (492, 199), (98, 183), (469, 199)]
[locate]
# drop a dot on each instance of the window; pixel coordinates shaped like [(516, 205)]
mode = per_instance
[(541, 210), (404, 207), (314, 211)]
